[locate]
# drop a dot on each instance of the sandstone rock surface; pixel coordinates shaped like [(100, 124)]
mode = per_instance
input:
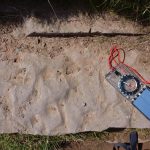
[(66, 94)]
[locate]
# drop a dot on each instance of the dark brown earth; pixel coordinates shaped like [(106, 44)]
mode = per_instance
[(97, 145)]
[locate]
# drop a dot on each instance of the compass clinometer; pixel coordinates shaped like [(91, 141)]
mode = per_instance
[(128, 82), (129, 85), (125, 81)]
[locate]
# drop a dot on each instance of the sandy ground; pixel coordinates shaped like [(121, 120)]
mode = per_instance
[(108, 23)]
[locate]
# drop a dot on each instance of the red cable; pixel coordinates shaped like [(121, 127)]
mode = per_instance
[(115, 53)]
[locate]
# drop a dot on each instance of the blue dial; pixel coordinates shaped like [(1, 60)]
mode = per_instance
[(129, 85)]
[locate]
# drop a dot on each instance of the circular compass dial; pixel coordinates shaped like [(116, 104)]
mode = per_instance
[(129, 85)]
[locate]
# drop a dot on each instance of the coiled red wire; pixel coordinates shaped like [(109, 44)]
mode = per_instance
[(115, 59)]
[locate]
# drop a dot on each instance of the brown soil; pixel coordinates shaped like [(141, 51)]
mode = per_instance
[(98, 145)]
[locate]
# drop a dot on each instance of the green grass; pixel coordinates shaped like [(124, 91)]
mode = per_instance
[(37, 142), (134, 9), (137, 10), (31, 142)]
